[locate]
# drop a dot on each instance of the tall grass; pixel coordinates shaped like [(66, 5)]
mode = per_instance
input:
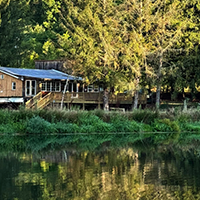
[(97, 121)]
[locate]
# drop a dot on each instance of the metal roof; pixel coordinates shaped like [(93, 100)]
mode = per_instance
[(38, 73)]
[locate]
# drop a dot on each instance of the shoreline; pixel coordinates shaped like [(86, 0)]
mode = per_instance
[(62, 122)]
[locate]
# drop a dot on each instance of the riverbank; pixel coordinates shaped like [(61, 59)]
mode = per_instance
[(97, 121)]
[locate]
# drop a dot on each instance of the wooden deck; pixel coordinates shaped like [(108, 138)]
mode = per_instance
[(40, 101)]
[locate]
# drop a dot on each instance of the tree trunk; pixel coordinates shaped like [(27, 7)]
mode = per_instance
[(136, 95), (158, 96), (159, 81), (105, 100), (63, 96)]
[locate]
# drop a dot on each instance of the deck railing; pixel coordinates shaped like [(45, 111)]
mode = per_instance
[(93, 96), (81, 97)]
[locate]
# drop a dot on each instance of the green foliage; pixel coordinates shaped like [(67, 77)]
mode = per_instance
[(7, 129), (38, 125), (85, 118), (145, 116), (90, 123), (63, 127), (191, 126), (5, 116), (122, 124), (165, 125), (183, 118), (99, 113)]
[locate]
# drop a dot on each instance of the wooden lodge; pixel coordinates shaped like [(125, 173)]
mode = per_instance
[(42, 88)]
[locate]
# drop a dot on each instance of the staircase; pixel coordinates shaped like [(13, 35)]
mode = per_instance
[(39, 102)]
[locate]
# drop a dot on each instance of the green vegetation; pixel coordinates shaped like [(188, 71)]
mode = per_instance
[(148, 126)]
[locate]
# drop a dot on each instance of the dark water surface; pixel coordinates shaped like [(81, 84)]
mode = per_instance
[(107, 172)]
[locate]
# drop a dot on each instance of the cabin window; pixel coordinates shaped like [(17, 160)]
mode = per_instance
[(1, 76), (30, 87), (96, 88), (33, 88), (13, 86), (44, 85), (57, 86), (51, 86), (90, 88)]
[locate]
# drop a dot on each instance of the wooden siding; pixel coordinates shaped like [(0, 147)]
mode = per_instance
[(6, 86)]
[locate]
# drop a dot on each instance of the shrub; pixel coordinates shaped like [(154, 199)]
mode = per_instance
[(7, 128), (22, 114), (165, 125), (88, 119), (191, 126), (5, 116), (122, 124), (90, 123), (20, 127), (62, 127), (145, 116), (103, 127), (99, 113), (38, 125), (87, 129)]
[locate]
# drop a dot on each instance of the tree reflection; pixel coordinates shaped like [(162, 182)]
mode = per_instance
[(160, 172)]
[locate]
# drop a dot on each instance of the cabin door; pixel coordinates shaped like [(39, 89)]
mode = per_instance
[(30, 88)]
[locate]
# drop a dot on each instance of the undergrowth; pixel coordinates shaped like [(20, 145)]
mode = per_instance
[(97, 121)]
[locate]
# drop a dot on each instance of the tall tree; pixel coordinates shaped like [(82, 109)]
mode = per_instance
[(163, 25), (24, 35), (102, 48)]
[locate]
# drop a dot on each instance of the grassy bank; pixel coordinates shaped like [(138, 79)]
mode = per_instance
[(40, 129), (62, 121)]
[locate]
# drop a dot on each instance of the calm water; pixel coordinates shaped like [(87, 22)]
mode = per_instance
[(130, 172)]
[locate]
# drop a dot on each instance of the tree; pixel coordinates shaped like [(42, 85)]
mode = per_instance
[(161, 29), (101, 46), (24, 35)]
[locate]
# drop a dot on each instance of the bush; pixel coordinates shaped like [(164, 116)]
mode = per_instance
[(99, 113), (88, 119), (191, 126), (62, 127), (122, 124), (103, 127), (165, 125), (145, 116), (5, 116), (90, 123), (7, 128), (38, 125)]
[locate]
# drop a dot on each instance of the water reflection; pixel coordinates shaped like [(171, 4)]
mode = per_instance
[(107, 173)]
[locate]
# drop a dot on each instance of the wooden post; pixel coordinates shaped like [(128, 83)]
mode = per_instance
[(83, 96), (99, 106), (63, 96), (83, 100)]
